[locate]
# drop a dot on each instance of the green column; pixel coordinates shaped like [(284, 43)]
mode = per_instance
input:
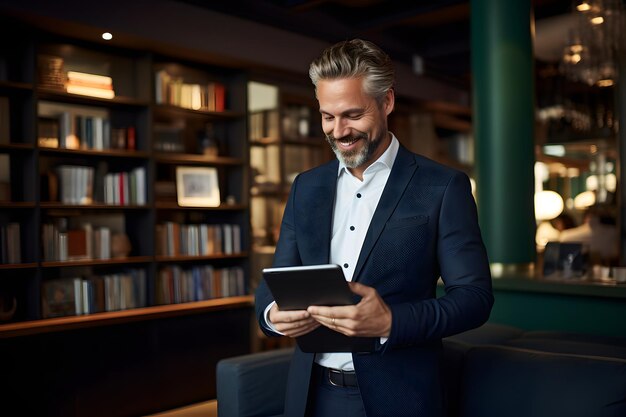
[(503, 95)]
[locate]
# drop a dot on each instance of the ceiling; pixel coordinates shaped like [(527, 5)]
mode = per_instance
[(436, 31)]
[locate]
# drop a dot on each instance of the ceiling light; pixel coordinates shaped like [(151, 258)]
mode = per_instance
[(598, 20), (583, 7), (107, 36)]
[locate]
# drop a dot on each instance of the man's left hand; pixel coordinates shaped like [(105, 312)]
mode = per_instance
[(371, 317)]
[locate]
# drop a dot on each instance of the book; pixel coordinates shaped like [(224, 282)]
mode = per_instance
[(5, 119)]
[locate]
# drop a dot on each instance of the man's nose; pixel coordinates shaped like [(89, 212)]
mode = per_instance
[(341, 128)]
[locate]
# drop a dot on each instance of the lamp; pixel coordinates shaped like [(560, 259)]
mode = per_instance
[(548, 204)]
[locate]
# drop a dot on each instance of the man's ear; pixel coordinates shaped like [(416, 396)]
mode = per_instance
[(389, 101)]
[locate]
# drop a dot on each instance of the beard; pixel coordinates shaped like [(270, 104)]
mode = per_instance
[(357, 157)]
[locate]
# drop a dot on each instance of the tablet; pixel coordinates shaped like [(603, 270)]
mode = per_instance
[(297, 287)]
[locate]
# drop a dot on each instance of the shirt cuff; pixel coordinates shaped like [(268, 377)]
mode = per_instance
[(268, 324), (383, 340)]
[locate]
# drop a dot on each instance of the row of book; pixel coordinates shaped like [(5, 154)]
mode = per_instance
[(86, 84), (77, 295), (174, 239), (125, 188), (52, 74), (264, 124), (10, 251), (119, 188), (76, 131), (173, 90), (61, 244), (177, 285)]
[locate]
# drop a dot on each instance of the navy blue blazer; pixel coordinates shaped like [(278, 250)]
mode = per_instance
[(425, 226)]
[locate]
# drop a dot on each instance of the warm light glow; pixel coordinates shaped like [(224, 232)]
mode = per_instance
[(584, 200), (598, 20), (591, 183), (575, 58), (548, 205), (576, 48), (583, 7), (610, 182), (107, 36), (605, 83)]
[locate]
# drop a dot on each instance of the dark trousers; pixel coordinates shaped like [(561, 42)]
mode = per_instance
[(328, 400)]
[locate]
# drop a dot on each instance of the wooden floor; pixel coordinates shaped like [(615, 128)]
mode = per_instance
[(205, 409)]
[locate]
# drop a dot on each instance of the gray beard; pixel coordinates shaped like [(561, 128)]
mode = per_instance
[(356, 158)]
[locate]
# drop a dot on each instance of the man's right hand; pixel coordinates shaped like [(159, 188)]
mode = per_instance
[(292, 323)]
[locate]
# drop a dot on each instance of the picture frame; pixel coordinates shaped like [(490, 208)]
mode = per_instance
[(197, 187)]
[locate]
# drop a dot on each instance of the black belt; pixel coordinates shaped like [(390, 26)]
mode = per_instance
[(338, 377)]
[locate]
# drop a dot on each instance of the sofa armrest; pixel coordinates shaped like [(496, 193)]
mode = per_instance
[(254, 384), (505, 381)]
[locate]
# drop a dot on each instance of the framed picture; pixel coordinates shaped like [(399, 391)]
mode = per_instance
[(197, 187)]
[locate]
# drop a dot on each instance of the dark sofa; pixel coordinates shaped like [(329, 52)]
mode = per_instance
[(492, 371)]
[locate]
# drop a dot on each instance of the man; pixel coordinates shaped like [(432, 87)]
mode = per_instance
[(395, 222)]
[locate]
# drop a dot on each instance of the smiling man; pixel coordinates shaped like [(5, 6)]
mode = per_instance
[(395, 221)]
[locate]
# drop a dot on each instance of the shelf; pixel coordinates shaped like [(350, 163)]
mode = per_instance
[(93, 206), (96, 262), (448, 122), (28, 265), (117, 153), (21, 147), (125, 316), (17, 205), (172, 205), (15, 86), (196, 159), (166, 109), (60, 95), (265, 142), (181, 258)]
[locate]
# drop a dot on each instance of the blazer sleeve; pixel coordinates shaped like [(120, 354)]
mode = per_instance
[(286, 254), (464, 268)]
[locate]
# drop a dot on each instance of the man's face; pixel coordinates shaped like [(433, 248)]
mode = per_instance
[(355, 124)]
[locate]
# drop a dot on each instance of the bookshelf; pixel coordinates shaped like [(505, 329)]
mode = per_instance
[(91, 137)]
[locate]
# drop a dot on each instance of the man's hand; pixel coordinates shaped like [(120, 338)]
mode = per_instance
[(371, 317), (292, 323)]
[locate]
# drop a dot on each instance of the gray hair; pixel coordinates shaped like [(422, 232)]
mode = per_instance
[(353, 59)]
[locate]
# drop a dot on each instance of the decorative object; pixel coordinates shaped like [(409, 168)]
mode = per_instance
[(595, 42), (120, 245), (197, 187)]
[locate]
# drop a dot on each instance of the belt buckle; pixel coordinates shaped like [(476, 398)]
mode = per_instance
[(335, 372)]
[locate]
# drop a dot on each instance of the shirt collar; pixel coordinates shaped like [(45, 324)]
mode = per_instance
[(385, 161)]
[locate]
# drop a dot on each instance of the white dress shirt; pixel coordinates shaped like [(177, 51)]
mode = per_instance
[(355, 204)]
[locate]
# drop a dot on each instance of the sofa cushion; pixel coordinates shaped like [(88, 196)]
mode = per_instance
[(488, 334), (504, 381), (569, 346), (575, 337), (253, 385)]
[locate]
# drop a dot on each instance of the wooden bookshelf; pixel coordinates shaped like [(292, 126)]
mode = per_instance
[(96, 138)]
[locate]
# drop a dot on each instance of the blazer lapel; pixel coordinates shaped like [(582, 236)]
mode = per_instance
[(401, 173)]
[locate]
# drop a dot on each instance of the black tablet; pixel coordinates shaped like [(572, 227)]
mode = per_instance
[(297, 287)]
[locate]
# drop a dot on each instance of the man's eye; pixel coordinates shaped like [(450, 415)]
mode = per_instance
[(329, 118), (355, 116)]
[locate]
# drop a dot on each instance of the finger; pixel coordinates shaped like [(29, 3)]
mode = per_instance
[(337, 312), (304, 330), (279, 316), (360, 289), (291, 326)]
